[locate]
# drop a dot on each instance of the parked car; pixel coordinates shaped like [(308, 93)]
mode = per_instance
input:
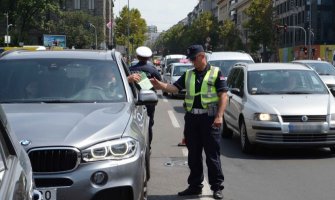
[(173, 72), (226, 59), (280, 104), (16, 177), (324, 69), (172, 58), (85, 126)]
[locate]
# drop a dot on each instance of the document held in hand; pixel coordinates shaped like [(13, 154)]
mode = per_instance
[(145, 83)]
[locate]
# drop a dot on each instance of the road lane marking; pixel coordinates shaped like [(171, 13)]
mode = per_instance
[(184, 151), (206, 190), (173, 119)]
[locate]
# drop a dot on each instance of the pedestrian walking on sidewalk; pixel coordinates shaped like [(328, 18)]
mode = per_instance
[(206, 97)]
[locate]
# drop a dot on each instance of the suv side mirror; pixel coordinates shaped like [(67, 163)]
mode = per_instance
[(235, 91), (147, 97)]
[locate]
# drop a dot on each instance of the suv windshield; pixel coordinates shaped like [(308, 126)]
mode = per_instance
[(60, 80)]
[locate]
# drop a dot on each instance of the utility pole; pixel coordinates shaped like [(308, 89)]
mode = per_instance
[(7, 37), (110, 38), (128, 52), (309, 29)]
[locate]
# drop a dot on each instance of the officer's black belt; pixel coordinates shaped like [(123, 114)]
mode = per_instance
[(198, 111)]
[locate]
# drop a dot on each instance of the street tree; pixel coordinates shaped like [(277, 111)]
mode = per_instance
[(137, 28), (229, 39), (260, 27), (75, 25), (31, 15)]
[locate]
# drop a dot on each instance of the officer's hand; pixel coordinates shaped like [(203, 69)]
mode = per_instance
[(156, 83), (134, 78), (217, 122)]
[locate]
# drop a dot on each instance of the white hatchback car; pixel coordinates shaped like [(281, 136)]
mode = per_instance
[(173, 72), (226, 59), (279, 104)]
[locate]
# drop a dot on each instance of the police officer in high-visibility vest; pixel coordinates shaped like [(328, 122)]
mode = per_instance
[(205, 103)]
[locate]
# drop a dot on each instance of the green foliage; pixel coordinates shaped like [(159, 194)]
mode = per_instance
[(179, 37), (32, 14), (137, 28), (260, 25), (75, 25)]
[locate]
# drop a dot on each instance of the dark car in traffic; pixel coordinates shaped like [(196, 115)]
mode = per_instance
[(85, 126)]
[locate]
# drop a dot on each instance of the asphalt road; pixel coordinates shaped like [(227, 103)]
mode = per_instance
[(268, 174)]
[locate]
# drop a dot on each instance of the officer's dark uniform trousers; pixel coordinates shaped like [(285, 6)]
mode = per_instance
[(200, 135)]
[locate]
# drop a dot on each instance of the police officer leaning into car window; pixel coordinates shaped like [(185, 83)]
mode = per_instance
[(143, 55), (205, 103)]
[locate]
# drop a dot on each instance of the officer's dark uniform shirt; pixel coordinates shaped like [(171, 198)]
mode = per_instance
[(148, 68), (220, 84)]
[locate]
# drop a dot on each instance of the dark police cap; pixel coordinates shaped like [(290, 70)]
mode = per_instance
[(193, 50)]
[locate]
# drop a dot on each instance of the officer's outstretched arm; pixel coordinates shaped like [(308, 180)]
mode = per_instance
[(159, 85)]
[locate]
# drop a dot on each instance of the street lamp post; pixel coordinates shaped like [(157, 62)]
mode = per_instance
[(7, 29), (128, 52), (96, 37)]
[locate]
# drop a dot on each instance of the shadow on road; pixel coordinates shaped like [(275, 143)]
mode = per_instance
[(231, 148), (176, 197)]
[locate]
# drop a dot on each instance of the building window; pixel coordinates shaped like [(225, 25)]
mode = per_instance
[(77, 4), (91, 4)]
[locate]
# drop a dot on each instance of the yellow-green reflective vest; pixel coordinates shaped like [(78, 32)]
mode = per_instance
[(207, 92)]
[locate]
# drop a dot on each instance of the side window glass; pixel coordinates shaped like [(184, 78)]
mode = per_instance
[(231, 78), (132, 85), (239, 83)]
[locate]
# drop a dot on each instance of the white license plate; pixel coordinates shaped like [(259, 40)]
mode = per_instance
[(304, 128), (48, 193)]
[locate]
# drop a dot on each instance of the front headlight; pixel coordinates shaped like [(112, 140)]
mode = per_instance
[(266, 117), (111, 150)]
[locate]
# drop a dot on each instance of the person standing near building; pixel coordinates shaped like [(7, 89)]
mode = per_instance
[(205, 99), (143, 55)]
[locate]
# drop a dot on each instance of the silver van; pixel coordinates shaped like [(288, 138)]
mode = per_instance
[(226, 59)]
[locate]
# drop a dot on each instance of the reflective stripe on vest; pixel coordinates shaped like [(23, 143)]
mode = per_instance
[(208, 91)]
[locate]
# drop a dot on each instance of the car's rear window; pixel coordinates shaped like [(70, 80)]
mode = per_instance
[(226, 65), (60, 80)]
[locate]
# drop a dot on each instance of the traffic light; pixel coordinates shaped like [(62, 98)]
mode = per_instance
[(285, 27), (277, 28), (305, 50)]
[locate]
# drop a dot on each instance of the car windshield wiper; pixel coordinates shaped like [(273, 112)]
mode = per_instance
[(260, 93), (295, 92)]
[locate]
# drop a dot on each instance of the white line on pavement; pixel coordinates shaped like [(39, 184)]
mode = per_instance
[(206, 191), (173, 119)]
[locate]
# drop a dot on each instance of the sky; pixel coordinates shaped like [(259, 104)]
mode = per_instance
[(161, 13)]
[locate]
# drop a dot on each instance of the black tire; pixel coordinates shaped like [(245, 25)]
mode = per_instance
[(144, 195), (165, 94), (246, 146), (226, 132), (147, 164)]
